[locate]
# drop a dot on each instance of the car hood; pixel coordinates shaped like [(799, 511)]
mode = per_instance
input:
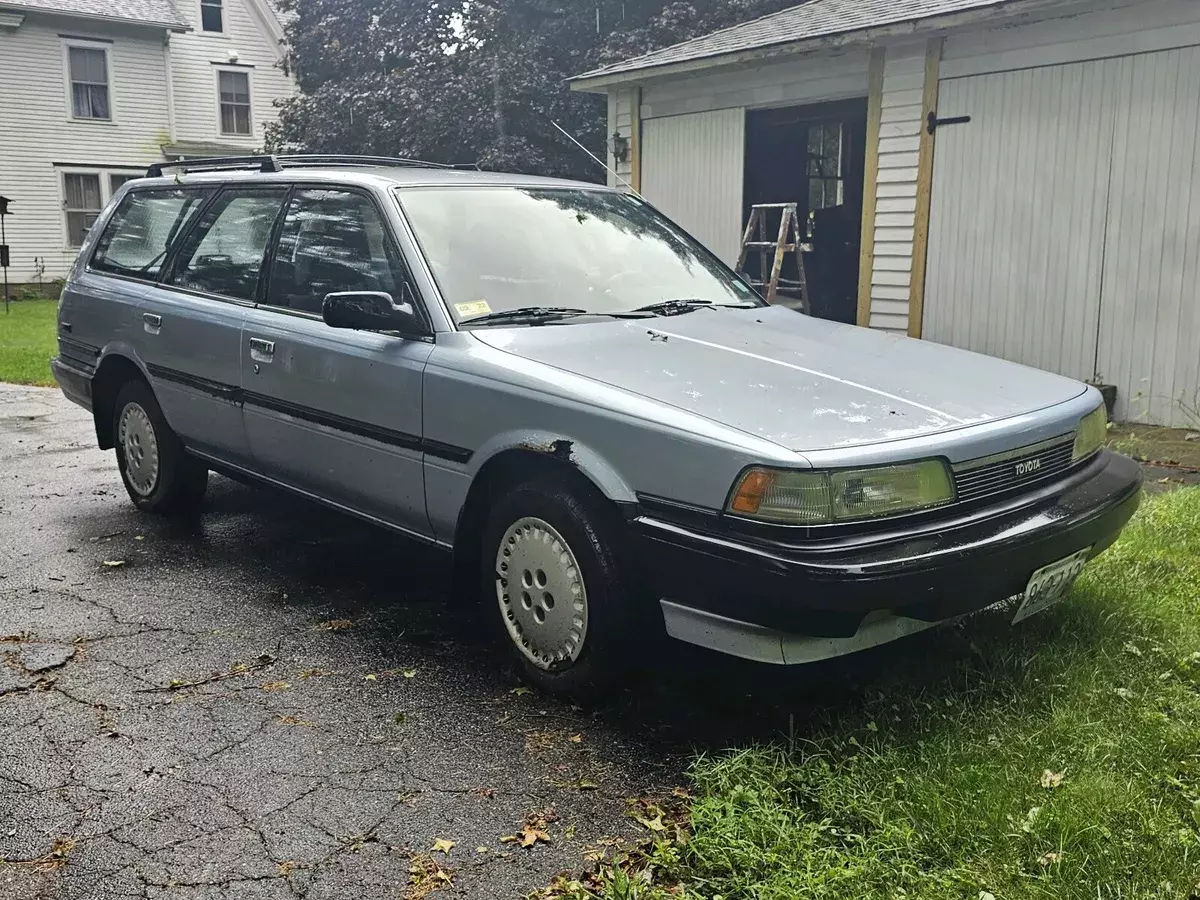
[(802, 383)]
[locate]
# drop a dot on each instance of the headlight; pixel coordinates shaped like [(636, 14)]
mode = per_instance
[(1091, 434), (840, 495)]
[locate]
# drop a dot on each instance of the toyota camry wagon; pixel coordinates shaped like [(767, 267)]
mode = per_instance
[(608, 429)]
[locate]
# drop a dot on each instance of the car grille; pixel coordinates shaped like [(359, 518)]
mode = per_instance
[(1014, 470)]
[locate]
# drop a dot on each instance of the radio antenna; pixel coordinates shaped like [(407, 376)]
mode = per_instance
[(598, 160)]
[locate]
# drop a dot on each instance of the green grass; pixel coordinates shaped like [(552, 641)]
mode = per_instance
[(930, 787), (27, 341)]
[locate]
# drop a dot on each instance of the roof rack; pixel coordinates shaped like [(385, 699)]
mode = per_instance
[(346, 159), (264, 163)]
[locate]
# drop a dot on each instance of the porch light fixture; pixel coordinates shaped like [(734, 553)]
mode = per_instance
[(620, 147)]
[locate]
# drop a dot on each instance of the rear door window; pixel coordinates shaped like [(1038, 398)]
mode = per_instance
[(332, 240), (140, 233), (223, 254)]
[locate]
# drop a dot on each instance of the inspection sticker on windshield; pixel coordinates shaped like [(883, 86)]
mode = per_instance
[(474, 308), (1051, 583)]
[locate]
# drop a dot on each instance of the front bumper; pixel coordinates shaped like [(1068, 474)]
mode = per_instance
[(754, 597)]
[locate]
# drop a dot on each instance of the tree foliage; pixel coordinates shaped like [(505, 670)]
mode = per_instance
[(480, 82)]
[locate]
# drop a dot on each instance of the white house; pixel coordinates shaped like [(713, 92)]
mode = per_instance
[(1017, 177), (93, 91)]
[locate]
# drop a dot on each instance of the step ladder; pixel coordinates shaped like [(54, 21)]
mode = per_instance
[(787, 241)]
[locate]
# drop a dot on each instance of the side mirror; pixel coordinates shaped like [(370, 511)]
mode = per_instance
[(371, 311)]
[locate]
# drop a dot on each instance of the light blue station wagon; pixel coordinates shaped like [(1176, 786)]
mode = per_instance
[(609, 430)]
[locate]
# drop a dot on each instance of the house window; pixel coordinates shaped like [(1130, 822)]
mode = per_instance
[(81, 200), (826, 175), (88, 72), (211, 15), (234, 90), (115, 181)]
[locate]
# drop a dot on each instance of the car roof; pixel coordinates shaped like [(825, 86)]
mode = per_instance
[(365, 175)]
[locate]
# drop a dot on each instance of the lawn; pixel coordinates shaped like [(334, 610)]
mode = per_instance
[(27, 341), (1059, 759)]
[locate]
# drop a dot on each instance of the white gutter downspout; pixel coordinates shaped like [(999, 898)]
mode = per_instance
[(170, 87)]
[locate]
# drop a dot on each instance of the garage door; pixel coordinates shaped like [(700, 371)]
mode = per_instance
[(1065, 224), (692, 170)]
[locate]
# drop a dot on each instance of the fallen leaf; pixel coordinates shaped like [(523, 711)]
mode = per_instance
[(521, 691), (333, 625), (569, 832), (285, 868), (481, 849), (398, 719), (276, 686), (576, 739), (443, 845), (510, 839), (653, 824), (1051, 780), (682, 793), (531, 836), (1049, 859), (409, 673), (294, 720), (113, 563), (139, 537), (370, 678)]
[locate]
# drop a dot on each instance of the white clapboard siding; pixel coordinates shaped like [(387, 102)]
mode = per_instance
[(38, 138), (692, 170), (896, 191), (1018, 214), (620, 121), (195, 57), (1150, 299)]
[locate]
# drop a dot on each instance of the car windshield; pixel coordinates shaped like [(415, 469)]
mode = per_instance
[(498, 249)]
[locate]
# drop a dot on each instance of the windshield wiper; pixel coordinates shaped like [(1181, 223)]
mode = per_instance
[(673, 307), (527, 313)]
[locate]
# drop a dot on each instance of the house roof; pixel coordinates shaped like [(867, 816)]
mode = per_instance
[(809, 21), (160, 13)]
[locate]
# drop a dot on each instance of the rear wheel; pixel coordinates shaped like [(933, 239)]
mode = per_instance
[(158, 473), (553, 582)]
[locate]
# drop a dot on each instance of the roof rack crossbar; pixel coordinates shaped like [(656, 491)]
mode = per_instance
[(265, 163), (345, 159)]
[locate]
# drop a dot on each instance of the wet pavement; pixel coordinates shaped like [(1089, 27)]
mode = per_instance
[(270, 702)]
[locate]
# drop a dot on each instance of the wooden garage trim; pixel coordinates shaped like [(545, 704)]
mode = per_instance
[(866, 255), (920, 246), (635, 142)]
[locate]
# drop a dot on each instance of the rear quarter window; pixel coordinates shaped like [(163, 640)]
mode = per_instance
[(143, 229)]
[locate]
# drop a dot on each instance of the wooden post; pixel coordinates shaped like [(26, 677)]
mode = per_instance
[(635, 141), (866, 253), (920, 249)]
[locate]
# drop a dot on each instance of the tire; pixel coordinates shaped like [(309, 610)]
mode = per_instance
[(158, 474), (554, 587)]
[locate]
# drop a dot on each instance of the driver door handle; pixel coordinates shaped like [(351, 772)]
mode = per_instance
[(261, 351)]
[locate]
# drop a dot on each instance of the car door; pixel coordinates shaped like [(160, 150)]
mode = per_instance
[(192, 319), (336, 412)]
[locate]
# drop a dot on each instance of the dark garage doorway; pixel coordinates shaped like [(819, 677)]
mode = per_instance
[(813, 156)]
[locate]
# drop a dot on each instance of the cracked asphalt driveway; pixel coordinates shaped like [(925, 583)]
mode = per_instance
[(271, 702)]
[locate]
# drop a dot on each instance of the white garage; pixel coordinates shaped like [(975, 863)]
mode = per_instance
[(1022, 176)]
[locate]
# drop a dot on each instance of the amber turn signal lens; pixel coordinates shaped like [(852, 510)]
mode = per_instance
[(750, 492)]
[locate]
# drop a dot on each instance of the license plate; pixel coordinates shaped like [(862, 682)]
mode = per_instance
[(1050, 584)]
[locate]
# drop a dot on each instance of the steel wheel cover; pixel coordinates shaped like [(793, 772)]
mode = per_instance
[(540, 589), (135, 432)]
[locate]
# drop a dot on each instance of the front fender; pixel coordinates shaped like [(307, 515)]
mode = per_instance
[(562, 447)]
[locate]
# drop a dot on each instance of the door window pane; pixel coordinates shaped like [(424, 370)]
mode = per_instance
[(89, 82), (825, 161), (331, 241), (210, 15), (81, 200), (234, 88), (137, 237), (224, 253)]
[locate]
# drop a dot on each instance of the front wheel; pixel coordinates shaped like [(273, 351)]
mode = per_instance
[(552, 577), (159, 475)]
